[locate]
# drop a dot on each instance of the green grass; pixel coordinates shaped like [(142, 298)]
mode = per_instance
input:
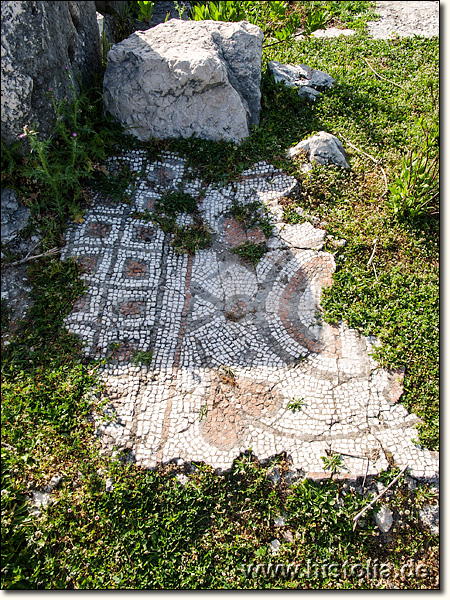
[(150, 532)]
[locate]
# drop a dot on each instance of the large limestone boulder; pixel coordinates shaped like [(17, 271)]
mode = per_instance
[(40, 39), (184, 78)]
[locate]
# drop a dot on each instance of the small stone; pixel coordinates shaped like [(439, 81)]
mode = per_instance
[(53, 483), (292, 476), (323, 149), (309, 81), (384, 519), (39, 502), (274, 475), (275, 546), (288, 536), (182, 478), (279, 521), (429, 515), (109, 487)]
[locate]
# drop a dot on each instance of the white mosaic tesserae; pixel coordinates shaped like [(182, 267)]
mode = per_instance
[(232, 344)]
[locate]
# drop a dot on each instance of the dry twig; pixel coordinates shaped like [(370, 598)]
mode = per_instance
[(375, 500), (385, 78), (24, 260), (373, 251), (377, 162)]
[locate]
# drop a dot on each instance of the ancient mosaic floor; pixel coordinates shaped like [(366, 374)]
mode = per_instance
[(233, 345)]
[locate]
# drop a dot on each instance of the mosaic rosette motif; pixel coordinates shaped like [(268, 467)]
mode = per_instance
[(232, 344)]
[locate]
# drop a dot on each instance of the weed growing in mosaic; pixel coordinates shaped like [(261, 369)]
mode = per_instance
[(203, 412), (175, 203), (252, 215), (190, 238), (251, 252), (333, 463), (296, 404), (186, 238), (141, 357)]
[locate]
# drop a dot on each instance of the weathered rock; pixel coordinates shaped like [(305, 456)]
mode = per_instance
[(39, 39), (384, 519), (309, 81), (110, 6), (303, 236), (14, 215), (54, 483), (207, 84), (429, 515), (322, 148), (275, 546), (182, 478), (274, 475), (293, 475), (39, 502)]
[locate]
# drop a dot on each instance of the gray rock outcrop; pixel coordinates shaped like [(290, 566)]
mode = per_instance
[(184, 78), (39, 39), (310, 82), (323, 149), (14, 215)]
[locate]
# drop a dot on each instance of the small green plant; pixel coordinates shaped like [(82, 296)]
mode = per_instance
[(277, 19), (332, 463), (425, 495), (203, 412), (190, 238), (416, 188), (292, 217), (180, 8), (251, 252), (145, 10), (296, 404), (125, 17), (173, 203), (252, 215), (106, 46), (142, 357), (316, 18), (145, 216)]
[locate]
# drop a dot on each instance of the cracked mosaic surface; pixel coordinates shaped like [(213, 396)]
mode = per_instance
[(232, 344)]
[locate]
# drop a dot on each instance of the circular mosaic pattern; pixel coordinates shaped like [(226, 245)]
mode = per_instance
[(232, 346)]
